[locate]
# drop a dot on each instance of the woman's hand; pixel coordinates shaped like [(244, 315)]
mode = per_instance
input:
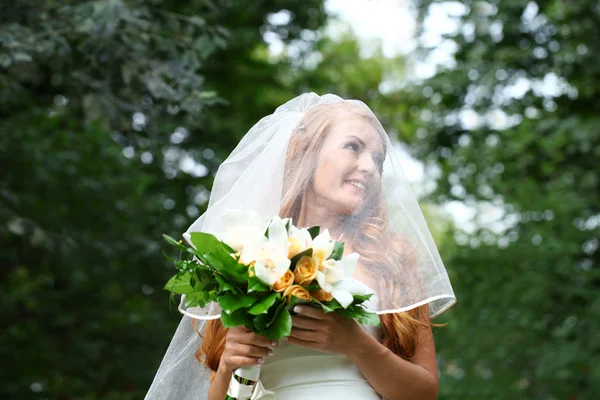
[(329, 333), (245, 348)]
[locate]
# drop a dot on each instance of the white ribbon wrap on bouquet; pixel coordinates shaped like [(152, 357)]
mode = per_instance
[(244, 385)]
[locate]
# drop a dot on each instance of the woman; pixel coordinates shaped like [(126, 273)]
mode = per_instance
[(320, 161)]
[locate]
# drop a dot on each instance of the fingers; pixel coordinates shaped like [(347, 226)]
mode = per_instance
[(304, 343), (240, 361), (245, 336), (306, 323), (257, 340), (311, 312), (239, 353), (303, 334), (246, 350)]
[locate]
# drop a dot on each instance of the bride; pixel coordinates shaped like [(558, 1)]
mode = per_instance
[(324, 161)]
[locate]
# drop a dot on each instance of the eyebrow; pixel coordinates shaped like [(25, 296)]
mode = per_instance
[(364, 145), (359, 139)]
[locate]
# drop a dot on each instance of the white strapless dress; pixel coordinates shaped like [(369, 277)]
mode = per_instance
[(298, 373)]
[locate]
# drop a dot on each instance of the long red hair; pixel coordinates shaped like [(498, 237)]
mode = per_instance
[(400, 330)]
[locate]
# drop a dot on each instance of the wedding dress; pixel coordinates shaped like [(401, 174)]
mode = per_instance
[(298, 373)]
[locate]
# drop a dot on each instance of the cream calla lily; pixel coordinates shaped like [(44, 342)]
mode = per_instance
[(329, 274), (345, 289), (336, 278), (244, 232), (348, 264), (272, 261), (299, 240), (322, 246)]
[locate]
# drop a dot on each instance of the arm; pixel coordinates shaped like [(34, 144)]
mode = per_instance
[(242, 348), (220, 383), (391, 376)]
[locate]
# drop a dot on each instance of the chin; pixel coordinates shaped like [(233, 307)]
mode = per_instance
[(349, 208)]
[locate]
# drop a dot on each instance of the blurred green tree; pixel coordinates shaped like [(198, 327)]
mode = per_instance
[(512, 122), (115, 114)]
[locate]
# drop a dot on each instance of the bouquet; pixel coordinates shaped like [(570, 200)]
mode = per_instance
[(258, 270)]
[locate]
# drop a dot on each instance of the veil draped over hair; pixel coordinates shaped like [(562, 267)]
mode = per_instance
[(269, 172)]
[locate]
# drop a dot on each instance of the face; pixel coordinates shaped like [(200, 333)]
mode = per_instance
[(349, 166)]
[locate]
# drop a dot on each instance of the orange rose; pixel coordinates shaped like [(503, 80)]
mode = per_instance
[(306, 270), (284, 282), (297, 291), (321, 295), (319, 256)]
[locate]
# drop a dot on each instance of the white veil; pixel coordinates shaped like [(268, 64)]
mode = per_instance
[(261, 174)]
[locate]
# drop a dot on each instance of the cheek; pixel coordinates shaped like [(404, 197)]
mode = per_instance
[(327, 173)]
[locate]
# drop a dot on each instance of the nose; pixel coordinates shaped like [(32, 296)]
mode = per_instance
[(366, 163)]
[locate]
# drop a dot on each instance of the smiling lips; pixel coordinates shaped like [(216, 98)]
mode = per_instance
[(358, 184)]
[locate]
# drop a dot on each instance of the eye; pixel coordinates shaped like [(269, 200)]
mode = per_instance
[(352, 146)]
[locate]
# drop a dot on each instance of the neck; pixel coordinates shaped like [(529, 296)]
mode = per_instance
[(319, 215)]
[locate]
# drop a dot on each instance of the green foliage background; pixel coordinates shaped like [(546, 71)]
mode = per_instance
[(115, 115), (529, 305)]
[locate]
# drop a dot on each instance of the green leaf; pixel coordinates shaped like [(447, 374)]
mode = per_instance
[(274, 312), (281, 326), (328, 306), (184, 265), (215, 255), (203, 277), (224, 264), (288, 225), (334, 304), (229, 267), (236, 318), (226, 286), (207, 243), (360, 298), (173, 241), (215, 261), (312, 286), (325, 307), (231, 302), (263, 306), (294, 301), (314, 231), (360, 314), (369, 318), (338, 251), (180, 284), (256, 285), (260, 323), (194, 252), (199, 299)]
